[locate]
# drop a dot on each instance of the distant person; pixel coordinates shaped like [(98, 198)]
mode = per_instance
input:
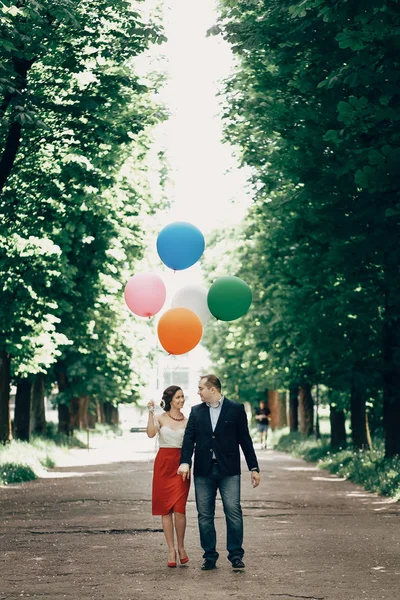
[(263, 417), (170, 491), (216, 431)]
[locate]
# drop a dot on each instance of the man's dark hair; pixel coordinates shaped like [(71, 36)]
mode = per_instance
[(212, 381)]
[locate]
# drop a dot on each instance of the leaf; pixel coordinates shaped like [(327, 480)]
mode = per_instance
[(7, 45), (298, 10), (332, 136), (394, 157), (375, 158), (352, 39), (364, 177), (392, 212)]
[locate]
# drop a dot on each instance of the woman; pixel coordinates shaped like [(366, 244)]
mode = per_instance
[(170, 492)]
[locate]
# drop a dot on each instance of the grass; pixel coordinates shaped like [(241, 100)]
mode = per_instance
[(23, 461), (368, 468)]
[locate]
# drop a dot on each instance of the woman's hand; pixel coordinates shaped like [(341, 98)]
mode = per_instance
[(152, 422)]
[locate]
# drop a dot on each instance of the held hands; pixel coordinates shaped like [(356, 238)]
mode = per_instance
[(184, 470), (255, 479)]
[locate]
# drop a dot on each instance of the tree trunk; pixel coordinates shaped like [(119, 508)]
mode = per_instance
[(359, 425), (38, 414), (22, 410), (79, 413), (277, 406), (5, 381), (63, 419), (391, 379), (107, 413), (74, 414), (63, 409), (83, 421), (306, 410), (317, 428), (107, 408), (338, 428), (13, 140), (100, 412), (283, 420), (294, 408), (92, 419), (114, 415)]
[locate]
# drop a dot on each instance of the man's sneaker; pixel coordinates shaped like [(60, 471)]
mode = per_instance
[(237, 563)]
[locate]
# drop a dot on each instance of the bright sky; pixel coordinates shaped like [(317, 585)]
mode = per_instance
[(206, 186)]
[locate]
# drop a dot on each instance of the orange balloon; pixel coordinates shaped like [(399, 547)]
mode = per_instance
[(179, 330)]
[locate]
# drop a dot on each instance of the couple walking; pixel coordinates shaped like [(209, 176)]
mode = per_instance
[(216, 430)]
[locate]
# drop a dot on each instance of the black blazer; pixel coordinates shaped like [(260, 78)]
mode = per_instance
[(231, 433)]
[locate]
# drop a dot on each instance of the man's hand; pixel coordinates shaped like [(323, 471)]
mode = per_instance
[(184, 470), (255, 479)]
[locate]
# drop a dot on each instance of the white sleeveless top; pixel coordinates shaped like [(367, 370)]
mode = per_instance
[(170, 438)]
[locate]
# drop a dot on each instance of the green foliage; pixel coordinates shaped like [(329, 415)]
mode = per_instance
[(55, 438), (368, 468), (75, 131), (23, 461), (298, 445), (20, 461), (15, 473), (108, 431), (313, 108), (230, 343)]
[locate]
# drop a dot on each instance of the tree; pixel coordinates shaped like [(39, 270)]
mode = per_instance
[(70, 123), (312, 108)]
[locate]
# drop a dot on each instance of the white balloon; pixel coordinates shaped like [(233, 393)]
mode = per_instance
[(193, 297)]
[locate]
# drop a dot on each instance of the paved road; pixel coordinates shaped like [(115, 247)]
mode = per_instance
[(86, 532)]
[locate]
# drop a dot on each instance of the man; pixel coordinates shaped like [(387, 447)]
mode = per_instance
[(263, 417), (216, 431)]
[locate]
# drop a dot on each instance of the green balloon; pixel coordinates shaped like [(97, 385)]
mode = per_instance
[(229, 298)]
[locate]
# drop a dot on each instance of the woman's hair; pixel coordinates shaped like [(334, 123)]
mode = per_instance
[(168, 394)]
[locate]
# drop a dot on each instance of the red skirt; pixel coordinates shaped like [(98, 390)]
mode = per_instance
[(170, 492)]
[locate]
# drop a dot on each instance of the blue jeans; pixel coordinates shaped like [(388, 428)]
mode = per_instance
[(206, 492)]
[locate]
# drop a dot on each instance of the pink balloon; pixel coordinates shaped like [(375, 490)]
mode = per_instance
[(145, 294)]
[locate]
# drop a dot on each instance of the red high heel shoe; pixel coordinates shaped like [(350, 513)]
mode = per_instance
[(184, 560), (172, 564)]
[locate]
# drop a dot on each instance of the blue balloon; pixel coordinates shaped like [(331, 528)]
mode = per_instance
[(180, 245)]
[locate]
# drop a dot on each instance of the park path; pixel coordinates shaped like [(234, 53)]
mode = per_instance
[(86, 532)]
